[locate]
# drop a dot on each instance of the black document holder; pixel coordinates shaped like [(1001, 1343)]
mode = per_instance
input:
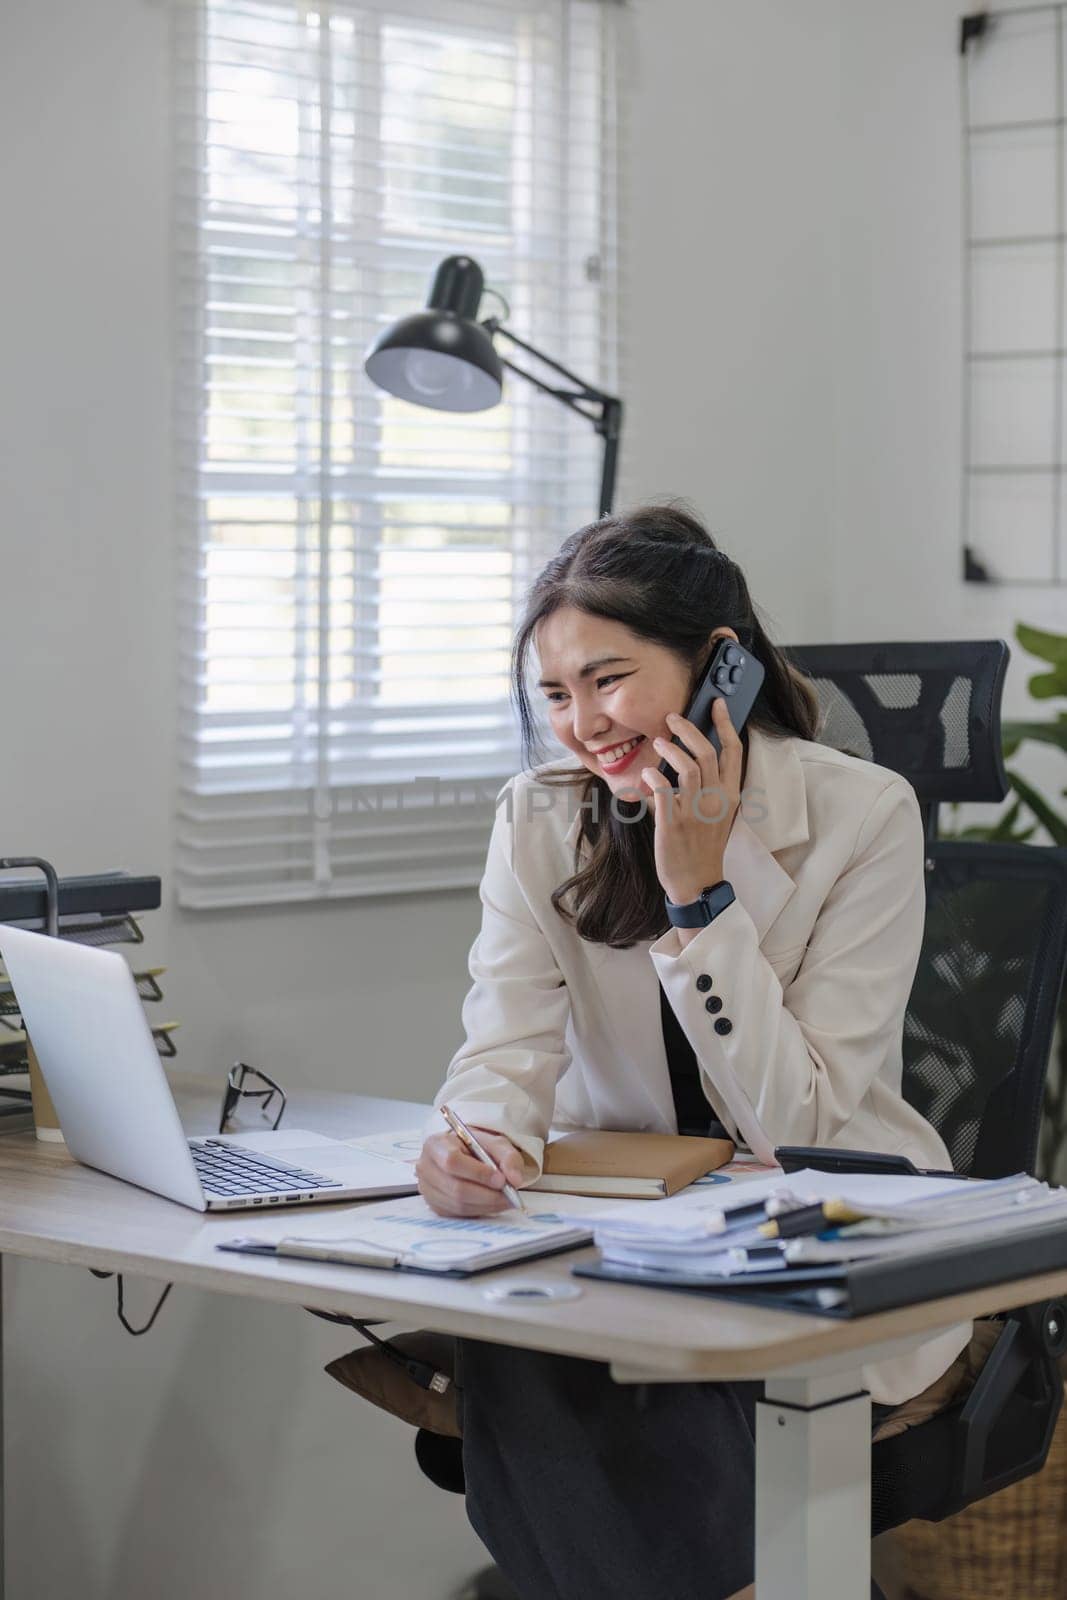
[(869, 1285)]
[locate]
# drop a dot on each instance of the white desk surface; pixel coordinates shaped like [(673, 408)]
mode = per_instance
[(52, 1209)]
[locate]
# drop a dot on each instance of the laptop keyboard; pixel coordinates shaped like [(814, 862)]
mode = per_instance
[(230, 1171)]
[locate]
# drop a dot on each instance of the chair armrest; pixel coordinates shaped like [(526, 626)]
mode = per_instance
[(1023, 1366)]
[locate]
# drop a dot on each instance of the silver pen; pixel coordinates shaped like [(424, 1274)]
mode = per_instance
[(460, 1129)]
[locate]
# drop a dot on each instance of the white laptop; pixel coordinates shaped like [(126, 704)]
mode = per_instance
[(115, 1106)]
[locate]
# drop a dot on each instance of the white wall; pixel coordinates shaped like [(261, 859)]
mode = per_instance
[(731, 247), (896, 567), (129, 1460)]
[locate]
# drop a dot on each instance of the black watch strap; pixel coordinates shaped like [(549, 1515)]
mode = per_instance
[(704, 909)]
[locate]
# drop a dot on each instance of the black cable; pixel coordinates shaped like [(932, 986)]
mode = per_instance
[(502, 298), (420, 1372), (120, 1302)]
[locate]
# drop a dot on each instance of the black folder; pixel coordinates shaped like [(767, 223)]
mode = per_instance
[(861, 1288)]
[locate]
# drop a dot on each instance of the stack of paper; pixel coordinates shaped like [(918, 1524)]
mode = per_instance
[(810, 1218)]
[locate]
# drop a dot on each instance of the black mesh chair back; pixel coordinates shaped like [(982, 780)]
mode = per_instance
[(982, 1011), (929, 711)]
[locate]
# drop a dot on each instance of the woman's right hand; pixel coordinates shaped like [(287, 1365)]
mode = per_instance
[(457, 1184)]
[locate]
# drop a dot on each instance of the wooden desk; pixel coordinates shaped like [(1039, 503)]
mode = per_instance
[(813, 1454)]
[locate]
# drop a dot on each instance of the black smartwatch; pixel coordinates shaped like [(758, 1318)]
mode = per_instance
[(698, 913)]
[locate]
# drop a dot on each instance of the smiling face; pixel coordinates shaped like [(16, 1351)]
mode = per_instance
[(609, 692)]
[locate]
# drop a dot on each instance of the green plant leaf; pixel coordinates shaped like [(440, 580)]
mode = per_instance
[(1013, 734), (1049, 685), (1050, 647), (1009, 829), (1004, 827), (1056, 826)]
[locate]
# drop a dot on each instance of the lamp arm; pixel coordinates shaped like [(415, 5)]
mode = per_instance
[(606, 418), (575, 399), (583, 390)]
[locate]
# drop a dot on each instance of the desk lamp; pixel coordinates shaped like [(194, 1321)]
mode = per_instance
[(444, 358)]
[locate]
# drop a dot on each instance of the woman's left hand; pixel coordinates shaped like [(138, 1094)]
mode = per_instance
[(693, 822)]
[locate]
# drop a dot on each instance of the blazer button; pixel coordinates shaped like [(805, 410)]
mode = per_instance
[(713, 1004), (703, 983), (723, 1025)]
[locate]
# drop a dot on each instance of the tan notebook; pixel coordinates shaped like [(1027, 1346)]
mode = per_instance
[(645, 1166)]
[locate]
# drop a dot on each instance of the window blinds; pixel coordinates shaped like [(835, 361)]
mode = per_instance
[(353, 566)]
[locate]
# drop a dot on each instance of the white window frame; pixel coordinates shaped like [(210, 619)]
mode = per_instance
[(318, 801), (1014, 289)]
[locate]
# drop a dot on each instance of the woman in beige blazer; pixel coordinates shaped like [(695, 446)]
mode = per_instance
[(791, 1001)]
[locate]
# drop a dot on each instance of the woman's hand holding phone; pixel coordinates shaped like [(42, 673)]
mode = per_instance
[(693, 821), (456, 1184)]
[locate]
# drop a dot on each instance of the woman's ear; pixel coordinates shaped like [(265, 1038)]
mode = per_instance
[(722, 633)]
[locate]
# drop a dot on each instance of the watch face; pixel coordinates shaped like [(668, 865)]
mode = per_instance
[(717, 899)]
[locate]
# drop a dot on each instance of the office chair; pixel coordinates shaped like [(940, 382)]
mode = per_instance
[(977, 1034), (978, 1028)]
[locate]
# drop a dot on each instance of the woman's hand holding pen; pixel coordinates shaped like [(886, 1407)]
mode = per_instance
[(456, 1184), (693, 822)]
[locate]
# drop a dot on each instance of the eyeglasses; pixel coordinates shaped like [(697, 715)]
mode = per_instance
[(249, 1083)]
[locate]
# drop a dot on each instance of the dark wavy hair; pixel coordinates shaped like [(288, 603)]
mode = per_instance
[(660, 573)]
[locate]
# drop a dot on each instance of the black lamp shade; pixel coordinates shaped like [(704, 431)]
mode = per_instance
[(441, 357), (436, 359)]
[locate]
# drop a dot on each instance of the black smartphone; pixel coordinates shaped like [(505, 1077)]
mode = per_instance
[(734, 674), (797, 1157)]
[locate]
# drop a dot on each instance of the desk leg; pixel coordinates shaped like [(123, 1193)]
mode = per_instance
[(813, 1490)]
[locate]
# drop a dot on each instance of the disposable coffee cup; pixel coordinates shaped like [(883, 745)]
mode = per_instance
[(44, 1112)]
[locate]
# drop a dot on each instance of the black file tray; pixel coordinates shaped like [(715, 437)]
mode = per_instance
[(869, 1286), (106, 894)]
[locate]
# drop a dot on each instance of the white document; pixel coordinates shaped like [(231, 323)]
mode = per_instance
[(700, 1209), (404, 1146), (407, 1233), (1018, 1213), (697, 1212), (700, 1232)]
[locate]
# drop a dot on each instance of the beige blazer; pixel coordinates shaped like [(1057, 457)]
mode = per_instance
[(813, 964)]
